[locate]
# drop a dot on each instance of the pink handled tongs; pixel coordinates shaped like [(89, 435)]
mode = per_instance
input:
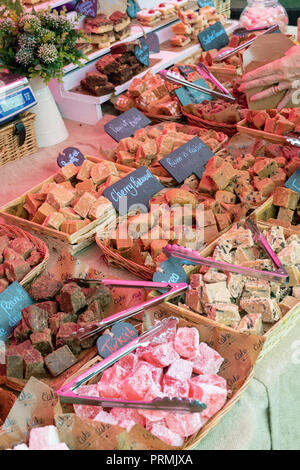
[(207, 75), (173, 290), (176, 78), (178, 405), (190, 256), (230, 52)]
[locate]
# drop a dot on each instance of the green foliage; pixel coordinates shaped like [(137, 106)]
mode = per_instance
[(37, 43)]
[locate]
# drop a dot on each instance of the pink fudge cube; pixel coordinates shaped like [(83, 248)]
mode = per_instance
[(211, 379), (111, 383), (180, 369), (128, 362), (208, 361), (87, 411), (176, 388), (41, 438), (187, 342), (213, 397), (161, 356), (166, 435), (137, 384), (127, 418), (184, 425)]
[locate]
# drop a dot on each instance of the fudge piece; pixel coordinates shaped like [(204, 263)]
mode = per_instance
[(43, 211), (85, 170), (60, 197), (59, 319), (21, 332), (35, 258), (69, 213), (4, 242), (14, 363), (54, 220), (34, 364), (98, 90), (276, 239), (73, 226), (99, 208), (100, 294), (35, 318), (107, 64), (44, 288), (60, 360), (287, 304), (214, 276), (83, 205), (296, 292), (251, 324), (101, 171), (16, 270), (192, 300), (49, 306), (42, 342), (216, 292), (65, 336), (72, 298), (227, 314), (66, 173), (285, 197), (22, 246), (265, 168), (268, 308), (257, 288), (96, 79)]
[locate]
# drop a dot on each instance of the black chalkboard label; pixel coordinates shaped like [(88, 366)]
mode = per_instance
[(206, 3), (87, 7), (293, 182), (12, 301), (135, 189), (188, 159), (188, 95), (170, 271), (127, 124), (152, 41), (70, 155), (214, 37), (121, 334)]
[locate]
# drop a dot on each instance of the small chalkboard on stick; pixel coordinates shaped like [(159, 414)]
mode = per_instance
[(188, 159), (136, 189), (120, 335), (12, 300), (127, 124), (293, 182), (214, 37), (206, 3)]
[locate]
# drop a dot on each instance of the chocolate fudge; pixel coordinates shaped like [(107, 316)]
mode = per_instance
[(96, 79), (60, 360), (44, 288), (72, 298), (35, 318)]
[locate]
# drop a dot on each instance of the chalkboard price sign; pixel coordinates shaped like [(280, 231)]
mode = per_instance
[(188, 159), (121, 334), (293, 182), (87, 7), (206, 3), (214, 37), (138, 187), (127, 124), (12, 301)]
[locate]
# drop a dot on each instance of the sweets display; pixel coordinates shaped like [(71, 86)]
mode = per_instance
[(285, 208), (179, 365), (217, 111), (264, 13), (250, 305), (42, 342), (284, 122)]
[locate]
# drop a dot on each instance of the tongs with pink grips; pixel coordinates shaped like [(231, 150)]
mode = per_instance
[(173, 290), (190, 256), (153, 336)]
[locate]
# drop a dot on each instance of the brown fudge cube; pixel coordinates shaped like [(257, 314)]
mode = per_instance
[(72, 298), (285, 214), (3, 285), (226, 197), (22, 246), (60, 360), (43, 211), (69, 213), (84, 204), (66, 173), (223, 221), (210, 233), (42, 342), (34, 364), (9, 255), (21, 332), (54, 220), (90, 316), (44, 288), (60, 197), (268, 308), (223, 175), (50, 307), (14, 365), (100, 294), (265, 186), (73, 226), (59, 319), (4, 241), (99, 208), (101, 171), (287, 304), (225, 313), (192, 300), (16, 270), (85, 186), (35, 318), (35, 258), (251, 324), (265, 167), (65, 336), (285, 197), (85, 170)]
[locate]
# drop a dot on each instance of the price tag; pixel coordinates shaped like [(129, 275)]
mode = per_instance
[(214, 37), (170, 271), (152, 41), (142, 53), (188, 159), (87, 7), (188, 95), (127, 124), (121, 334), (136, 189), (206, 3), (70, 155), (293, 182), (12, 301)]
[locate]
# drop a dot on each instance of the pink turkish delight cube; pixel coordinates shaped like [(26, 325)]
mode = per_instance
[(180, 370), (87, 411), (111, 382), (41, 438), (157, 372), (211, 379), (128, 362), (162, 355), (166, 435), (152, 415), (137, 384), (213, 397), (208, 361), (127, 418), (184, 424), (187, 342), (106, 418), (175, 388)]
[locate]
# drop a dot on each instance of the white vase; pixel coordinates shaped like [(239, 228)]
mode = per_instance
[(49, 126)]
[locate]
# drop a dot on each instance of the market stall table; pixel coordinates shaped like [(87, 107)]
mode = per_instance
[(268, 413)]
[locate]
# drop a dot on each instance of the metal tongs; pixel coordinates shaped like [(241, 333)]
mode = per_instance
[(229, 53), (174, 290), (193, 257), (178, 405), (293, 140), (176, 78), (206, 74)]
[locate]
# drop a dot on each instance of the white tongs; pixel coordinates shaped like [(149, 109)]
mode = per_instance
[(176, 78), (154, 336)]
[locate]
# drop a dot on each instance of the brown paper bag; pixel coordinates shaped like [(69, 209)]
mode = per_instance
[(264, 50)]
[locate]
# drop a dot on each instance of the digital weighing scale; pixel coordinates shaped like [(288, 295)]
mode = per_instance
[(16, 96)]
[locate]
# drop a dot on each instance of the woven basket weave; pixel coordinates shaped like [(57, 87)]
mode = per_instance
[(223, 6), (9, 143), (228, 129)]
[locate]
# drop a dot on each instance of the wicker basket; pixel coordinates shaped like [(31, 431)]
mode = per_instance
[(216, 337), (14, 232), (268, 211), (223, 7), (229, 129), (243, 128), (9, 141)]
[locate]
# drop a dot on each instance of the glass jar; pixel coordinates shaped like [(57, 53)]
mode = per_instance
[(261, 13)]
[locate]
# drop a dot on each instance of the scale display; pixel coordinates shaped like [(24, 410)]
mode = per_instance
[(12, 102), (15, 96)]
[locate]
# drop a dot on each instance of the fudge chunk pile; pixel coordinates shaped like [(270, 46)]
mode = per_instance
[(41, 342), (274, 122), (175, 366), (74, 198), (151, 94), (247, 304), (217, 111), (18, 256), (287, 209)]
